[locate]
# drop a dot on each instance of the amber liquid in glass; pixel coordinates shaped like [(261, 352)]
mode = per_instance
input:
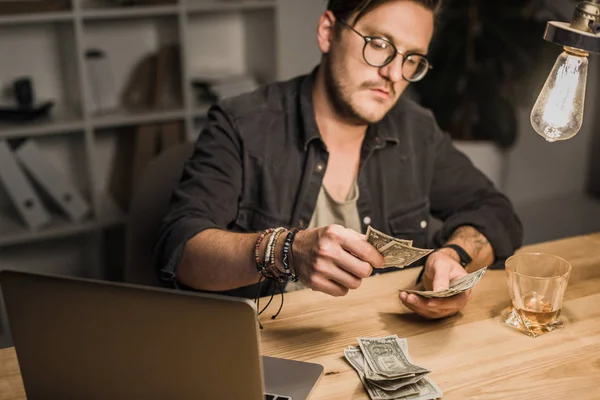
[(538, 311)]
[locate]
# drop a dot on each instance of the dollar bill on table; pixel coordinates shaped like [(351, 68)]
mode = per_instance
[(396, 252), (387, 372), (458, 285)]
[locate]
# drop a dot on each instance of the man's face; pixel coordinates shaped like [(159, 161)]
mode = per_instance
[(364, 93)]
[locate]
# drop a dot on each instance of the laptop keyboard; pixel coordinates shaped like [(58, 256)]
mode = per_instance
[(276, 397)]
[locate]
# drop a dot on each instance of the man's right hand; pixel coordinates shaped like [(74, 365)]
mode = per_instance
[(334, 259)]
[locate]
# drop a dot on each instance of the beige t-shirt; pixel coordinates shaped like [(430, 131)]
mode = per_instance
[(328, 212)]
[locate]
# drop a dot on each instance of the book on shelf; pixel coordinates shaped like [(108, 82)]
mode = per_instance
[(154, 84)]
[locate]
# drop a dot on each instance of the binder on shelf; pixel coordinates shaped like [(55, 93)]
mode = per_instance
[(62, 192), (20, 190)]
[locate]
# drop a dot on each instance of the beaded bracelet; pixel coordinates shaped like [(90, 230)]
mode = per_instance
[(289, 240), (268, 249), (275, 272), (259, 266)]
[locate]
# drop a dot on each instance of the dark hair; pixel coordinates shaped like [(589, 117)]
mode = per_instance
[(345, 8)]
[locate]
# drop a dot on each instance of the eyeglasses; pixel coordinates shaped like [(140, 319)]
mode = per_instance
[(379, 52)]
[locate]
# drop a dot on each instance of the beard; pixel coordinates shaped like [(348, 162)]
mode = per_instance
[(339, 93)]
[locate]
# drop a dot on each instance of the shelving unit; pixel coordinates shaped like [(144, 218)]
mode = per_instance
[(65, 16), (12, 231), (214, 34), (128, 13), (66, 121), (208, 6)]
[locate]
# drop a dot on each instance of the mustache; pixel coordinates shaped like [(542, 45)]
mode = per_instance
[(379, 85)]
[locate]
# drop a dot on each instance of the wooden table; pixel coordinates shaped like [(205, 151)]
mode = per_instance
[(471, 355)]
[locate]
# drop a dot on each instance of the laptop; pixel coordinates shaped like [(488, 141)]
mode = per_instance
[(79, 338)]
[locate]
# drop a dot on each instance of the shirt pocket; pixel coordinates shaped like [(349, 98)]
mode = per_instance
[(254, 220), (412, 224)]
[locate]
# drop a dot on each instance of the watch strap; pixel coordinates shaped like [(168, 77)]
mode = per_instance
[(465, 258)]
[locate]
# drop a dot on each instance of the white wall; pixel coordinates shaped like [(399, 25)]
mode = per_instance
[(538, 170)]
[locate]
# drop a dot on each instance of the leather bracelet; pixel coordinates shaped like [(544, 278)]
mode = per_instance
[(287, 246)]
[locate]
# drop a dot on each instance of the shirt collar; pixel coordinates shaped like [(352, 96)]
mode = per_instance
[(307, 109), (377, 134)]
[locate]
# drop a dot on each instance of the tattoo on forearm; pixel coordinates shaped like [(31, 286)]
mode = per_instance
[(471, 235)]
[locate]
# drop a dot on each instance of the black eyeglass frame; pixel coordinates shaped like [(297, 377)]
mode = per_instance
[(405, 56)]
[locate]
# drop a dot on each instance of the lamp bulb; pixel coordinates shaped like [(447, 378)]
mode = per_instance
[(558, 110)]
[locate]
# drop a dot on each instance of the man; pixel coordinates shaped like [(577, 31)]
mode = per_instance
[(332, 153)]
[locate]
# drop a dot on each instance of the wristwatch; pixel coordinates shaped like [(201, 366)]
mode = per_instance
[(465, 258)]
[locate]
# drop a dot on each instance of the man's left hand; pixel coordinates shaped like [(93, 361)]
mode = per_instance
[(441, 267)]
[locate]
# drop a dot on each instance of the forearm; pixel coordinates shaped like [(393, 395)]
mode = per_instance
[(474, 243), (218, 260)]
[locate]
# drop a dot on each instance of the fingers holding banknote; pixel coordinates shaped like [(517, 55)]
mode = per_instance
[(334, 259), (435, 308), (440, 270)]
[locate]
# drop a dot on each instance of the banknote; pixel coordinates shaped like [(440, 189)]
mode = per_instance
[(376, 393), (408, 381), (399, 255), (458, 285), (380, 239), (385, 357), (427, 391), (377, 379), (356, 359), (468, 281), (396, 383), (385, 382), (424, 389), (396, 252)]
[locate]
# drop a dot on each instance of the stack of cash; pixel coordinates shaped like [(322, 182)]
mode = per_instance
[(457, 285), (387, 372)]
